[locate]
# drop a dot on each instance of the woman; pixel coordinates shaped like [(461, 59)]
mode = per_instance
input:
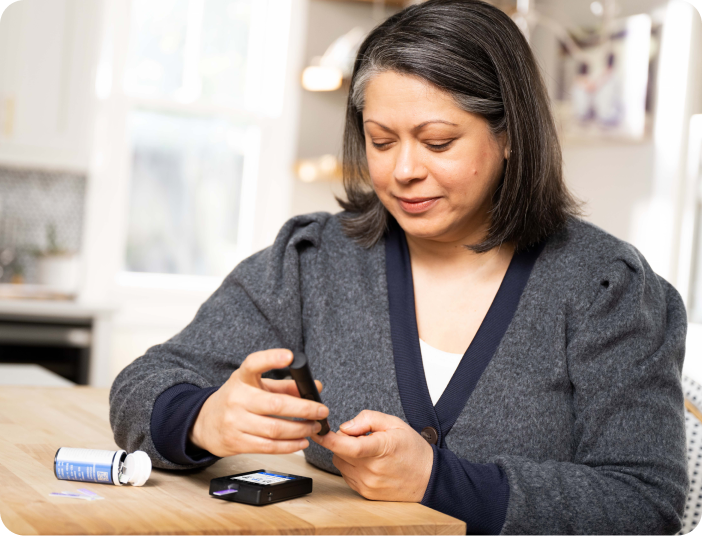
[(518, 368)]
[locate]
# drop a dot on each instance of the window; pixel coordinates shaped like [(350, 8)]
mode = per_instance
[(189, 50), (186, 190), (201, 76)]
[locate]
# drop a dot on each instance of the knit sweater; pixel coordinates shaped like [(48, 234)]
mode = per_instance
[(580, 406)]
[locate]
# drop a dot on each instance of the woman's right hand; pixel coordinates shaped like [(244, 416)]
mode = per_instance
[(237, 419)]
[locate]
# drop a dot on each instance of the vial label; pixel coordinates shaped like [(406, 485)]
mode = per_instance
[(85, 465)]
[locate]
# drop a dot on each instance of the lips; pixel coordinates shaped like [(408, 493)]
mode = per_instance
[(416, 205)]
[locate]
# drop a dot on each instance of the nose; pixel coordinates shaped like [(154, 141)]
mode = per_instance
[(408, 165)]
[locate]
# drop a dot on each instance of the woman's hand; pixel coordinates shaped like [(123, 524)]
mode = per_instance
[(237, 418), (393, 463)]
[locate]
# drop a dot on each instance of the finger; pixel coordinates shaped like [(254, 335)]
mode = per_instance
[(345, 467), (272, 428), (371, 421), (328, 441), (347, 472), (256, 444), (286, 387), (283, 387), (259, 362), (265, 403), (349, 461), (350, 447), (323, 440)]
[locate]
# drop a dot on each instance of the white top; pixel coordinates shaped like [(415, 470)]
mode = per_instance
[(439, 367)]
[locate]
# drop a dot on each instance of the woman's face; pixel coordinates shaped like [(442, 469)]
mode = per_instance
[(433, 165)]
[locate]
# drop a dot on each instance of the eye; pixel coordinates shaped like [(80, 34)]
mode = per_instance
[(439, 146), (381, 145)]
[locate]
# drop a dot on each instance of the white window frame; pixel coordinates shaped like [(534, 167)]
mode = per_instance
[(267, 181), (689, 239), (692, 212)]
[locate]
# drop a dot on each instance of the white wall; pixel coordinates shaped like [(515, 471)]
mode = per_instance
[(322, 114), (612, 178), (613, 181)]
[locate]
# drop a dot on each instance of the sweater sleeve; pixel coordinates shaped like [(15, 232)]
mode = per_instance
[(174, 414), (628, 472), (474, 493), (257, 307)]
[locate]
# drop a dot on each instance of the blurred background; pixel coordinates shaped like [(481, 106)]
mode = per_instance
[(146, 147)]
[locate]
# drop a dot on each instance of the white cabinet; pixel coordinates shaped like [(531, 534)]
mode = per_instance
[(48, 54)]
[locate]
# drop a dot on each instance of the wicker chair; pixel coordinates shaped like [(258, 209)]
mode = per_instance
[(693, 429)]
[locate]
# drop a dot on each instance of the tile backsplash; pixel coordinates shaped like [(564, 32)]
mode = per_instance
[(39, 210)]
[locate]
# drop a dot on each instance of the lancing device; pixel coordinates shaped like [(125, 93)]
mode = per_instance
[(300, 371)]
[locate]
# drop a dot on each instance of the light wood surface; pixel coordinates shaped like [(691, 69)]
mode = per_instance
[(35, 422)]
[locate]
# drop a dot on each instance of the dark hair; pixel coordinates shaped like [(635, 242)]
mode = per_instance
[(474, 52)]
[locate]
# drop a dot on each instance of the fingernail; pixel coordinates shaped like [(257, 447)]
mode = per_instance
[(317, 427), (321, 412), (347, 424)]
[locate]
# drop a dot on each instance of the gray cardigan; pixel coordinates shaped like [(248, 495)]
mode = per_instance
[(581, 406)]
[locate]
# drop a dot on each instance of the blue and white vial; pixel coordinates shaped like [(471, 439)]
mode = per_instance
[(102, 466)]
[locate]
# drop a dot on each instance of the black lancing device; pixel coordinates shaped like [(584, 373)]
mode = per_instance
[(300, 372)]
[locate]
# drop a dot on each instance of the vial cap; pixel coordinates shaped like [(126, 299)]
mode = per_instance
[(137, 468)]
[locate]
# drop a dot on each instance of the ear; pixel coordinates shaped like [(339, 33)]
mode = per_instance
[(502, 140)]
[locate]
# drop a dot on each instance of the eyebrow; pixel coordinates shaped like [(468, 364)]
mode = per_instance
[(416, 128)]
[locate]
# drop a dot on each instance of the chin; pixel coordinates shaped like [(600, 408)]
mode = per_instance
[(422, 227)]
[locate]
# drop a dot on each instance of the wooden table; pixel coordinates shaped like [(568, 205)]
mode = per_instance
[(35, 422)]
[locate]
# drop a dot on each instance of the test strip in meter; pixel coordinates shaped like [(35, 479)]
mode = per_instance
[(225, 492)]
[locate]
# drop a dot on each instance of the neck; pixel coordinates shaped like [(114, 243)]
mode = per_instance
[(453, 257)]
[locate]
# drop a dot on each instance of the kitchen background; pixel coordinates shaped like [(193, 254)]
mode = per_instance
[(146, 147)]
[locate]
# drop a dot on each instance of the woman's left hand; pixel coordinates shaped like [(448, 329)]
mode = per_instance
[(393, 463)]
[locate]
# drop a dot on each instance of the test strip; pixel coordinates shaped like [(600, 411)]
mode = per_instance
[(86, 491), (224, 492), (72, 496)]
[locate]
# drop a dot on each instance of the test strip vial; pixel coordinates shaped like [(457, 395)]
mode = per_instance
[(102, 466)]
